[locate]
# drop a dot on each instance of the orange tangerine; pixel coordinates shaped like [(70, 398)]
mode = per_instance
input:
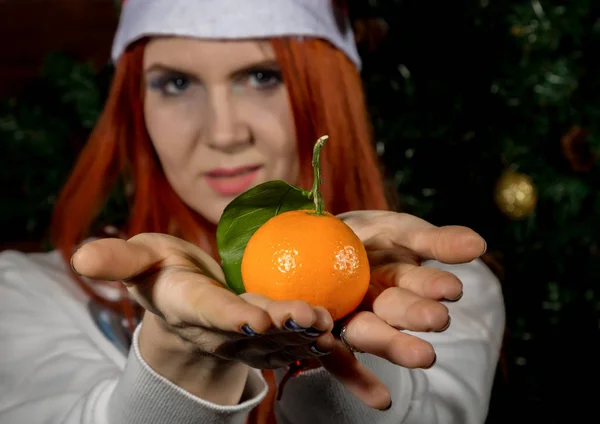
[(299, 255)]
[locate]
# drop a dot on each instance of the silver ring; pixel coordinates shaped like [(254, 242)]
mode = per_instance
[(345, 342)]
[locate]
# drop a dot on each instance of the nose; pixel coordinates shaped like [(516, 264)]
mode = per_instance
[(225, 131)]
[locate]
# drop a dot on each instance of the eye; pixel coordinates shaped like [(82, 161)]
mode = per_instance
[(171, 84), (176, 85), (264, 78)]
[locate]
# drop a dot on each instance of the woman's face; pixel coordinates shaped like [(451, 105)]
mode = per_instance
[(219, 117)]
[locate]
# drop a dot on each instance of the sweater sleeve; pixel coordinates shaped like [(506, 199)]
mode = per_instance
[(56, 367), (456, 390)]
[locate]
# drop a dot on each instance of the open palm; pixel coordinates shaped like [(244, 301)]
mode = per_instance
[(181, 286)]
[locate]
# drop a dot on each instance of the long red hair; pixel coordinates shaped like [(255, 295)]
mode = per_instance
[(326, 96)]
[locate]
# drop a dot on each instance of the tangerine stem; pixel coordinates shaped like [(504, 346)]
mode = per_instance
[(316, 163)]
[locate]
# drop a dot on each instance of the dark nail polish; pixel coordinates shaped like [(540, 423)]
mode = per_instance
[(73, 268), (456, 299), (433, 362), (446, 326), (292, 325), (314, 349), (387, 408), (313, 332), (248, 331)]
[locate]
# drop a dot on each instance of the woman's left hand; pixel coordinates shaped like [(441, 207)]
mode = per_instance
[(403, 295)]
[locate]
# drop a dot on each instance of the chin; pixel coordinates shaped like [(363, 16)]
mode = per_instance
[(213, 216), (216, 210)]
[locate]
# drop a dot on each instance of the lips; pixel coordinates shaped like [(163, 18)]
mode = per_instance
[(231, 181)]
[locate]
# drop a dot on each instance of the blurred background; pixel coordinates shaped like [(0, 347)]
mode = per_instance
[(486, 114)]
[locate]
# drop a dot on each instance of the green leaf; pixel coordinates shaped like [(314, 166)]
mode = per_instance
[(246, 214)]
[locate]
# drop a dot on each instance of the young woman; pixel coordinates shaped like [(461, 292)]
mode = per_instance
[(209, 99)]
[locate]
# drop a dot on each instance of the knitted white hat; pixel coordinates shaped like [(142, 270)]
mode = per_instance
[(235, 19)]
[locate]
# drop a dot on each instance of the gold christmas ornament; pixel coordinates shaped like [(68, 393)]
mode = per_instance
[(517, 30), (515, 195)]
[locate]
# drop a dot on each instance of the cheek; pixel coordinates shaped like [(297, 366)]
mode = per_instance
[(171, 129), (275, 134)]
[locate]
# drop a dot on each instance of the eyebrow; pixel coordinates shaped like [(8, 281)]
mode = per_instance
[(268, 63)]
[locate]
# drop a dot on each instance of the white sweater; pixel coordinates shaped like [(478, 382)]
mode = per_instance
[(58, 366)]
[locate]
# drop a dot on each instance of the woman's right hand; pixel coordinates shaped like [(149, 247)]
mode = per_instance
[(192, 319)]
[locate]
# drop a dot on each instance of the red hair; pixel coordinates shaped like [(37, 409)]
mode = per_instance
[(326, 97)]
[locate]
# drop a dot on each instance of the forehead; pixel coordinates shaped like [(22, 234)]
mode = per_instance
[(206, 55)]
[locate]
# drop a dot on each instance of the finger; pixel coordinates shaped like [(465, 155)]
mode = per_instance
[(289, 315), (323, 345), (321, 330), (449, 244), (379, 257), (323, 321), (116, 259), (370, 334), (424, 281), (190, 299), (358, 379), (316, 339), (317, 349), (403, 309)]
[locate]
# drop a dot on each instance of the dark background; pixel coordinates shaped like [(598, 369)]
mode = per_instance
[(473, 102)]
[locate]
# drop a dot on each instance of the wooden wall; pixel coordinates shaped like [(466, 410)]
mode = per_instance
[(31, 28)]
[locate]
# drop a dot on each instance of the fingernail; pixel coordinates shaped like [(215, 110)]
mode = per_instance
[(457, 298), (387, 408), (73, 267), (292, 325), (484, 248), (446, 326), (313, 332), (248, 331), (314, 349), (432, 363)]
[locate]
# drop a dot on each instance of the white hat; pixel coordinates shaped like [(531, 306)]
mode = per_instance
[(235, 19)]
